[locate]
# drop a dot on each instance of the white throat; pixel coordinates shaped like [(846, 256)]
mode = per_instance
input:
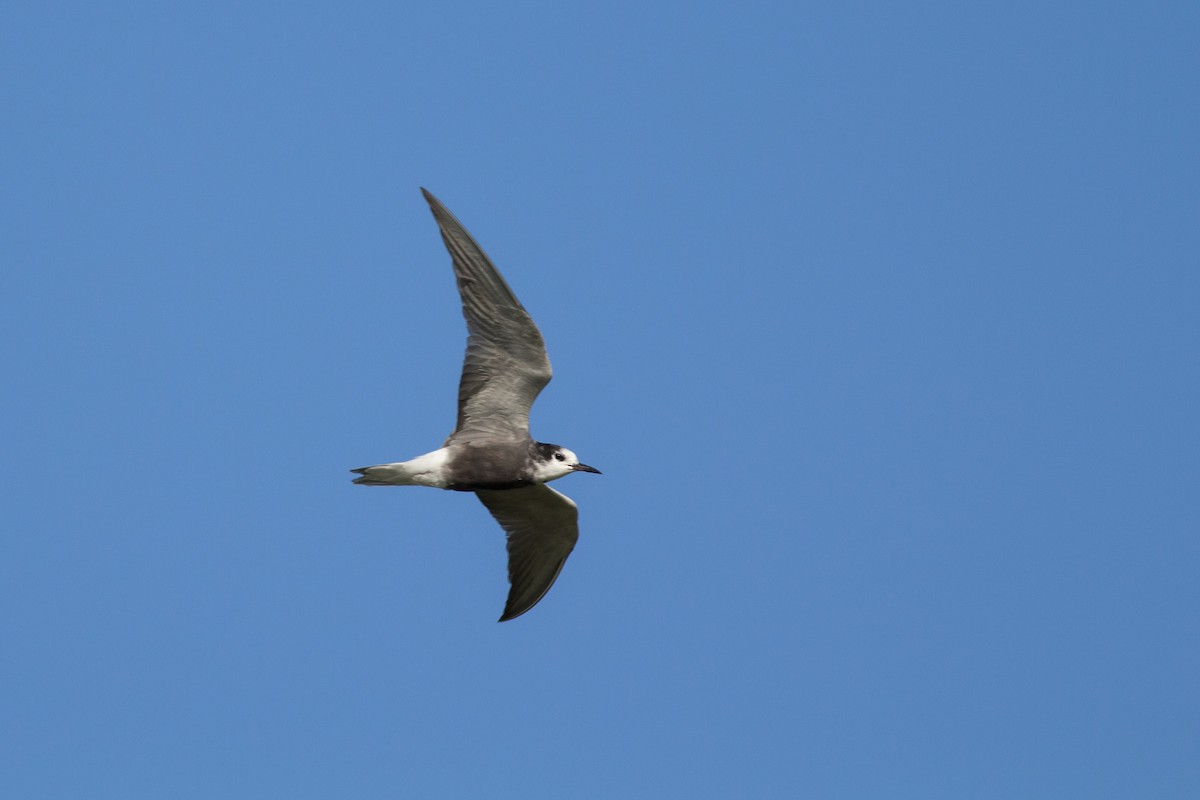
[(546, 471)]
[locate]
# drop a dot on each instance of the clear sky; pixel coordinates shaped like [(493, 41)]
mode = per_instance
[(882, 321)]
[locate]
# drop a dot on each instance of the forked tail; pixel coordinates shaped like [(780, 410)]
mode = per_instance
[(426, 470), (381, 475)]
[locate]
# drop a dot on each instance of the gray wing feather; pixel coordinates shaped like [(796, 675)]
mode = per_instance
[(542, 526), (506, 365)]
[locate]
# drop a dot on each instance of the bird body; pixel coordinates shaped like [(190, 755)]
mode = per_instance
[(468, 467), (491, 452)]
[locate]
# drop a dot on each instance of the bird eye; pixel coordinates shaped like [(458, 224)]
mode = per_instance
[(560, 457)]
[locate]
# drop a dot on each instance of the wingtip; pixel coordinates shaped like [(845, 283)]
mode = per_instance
[(509, 614), (512, 611), (440, 212)]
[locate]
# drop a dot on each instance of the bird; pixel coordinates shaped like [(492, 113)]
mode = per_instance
[(491, 451)]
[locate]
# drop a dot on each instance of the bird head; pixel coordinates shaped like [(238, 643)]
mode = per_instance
[(554, 462)]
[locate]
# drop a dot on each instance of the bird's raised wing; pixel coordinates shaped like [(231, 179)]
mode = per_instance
[(542, 527), (506, 365)]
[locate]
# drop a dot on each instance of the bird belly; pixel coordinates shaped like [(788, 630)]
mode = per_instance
[(462, 486), (476, 467)]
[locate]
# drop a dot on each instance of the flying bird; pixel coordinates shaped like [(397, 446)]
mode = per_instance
[(491, 452)]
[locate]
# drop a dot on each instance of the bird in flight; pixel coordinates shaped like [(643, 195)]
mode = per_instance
[(491, 452)]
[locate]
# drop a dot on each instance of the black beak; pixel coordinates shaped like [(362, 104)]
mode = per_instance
[(586, 468)]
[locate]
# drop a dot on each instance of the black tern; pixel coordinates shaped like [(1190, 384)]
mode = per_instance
[(491, 452)]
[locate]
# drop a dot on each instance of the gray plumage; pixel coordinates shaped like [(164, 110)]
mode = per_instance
[(506, 366), (491, 451)]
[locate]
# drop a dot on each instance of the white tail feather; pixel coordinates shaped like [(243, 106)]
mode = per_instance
[(426, 470)]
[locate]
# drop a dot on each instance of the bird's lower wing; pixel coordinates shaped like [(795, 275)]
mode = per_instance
[(542, 527)]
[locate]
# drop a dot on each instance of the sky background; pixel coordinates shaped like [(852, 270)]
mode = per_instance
[(882, 321)]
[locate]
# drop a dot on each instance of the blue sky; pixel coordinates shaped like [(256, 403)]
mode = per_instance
[(880, 319)]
